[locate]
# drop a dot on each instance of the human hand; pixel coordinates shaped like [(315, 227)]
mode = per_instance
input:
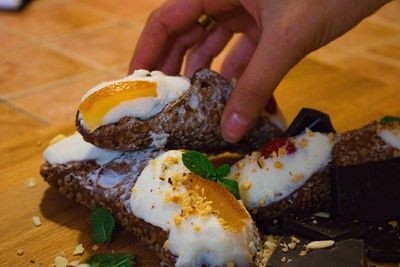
[(276, 35)]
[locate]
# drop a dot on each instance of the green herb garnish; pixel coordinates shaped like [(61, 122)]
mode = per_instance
[(103, 225), (199, 164), (389, 119), (112, 260)]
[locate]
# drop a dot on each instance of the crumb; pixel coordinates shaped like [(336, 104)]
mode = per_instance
[(20, 252), (95, 247), (246, 186), (292, 245), (197, 228), (32, 261), (303, 253), (36, 221), (394, 224), (314, 221), (380, 228), (166, 245), (79, 249), (278, 165), (38, 143), (61, 261), (309, 132), (75, 263), (283, 259), (31, 182)]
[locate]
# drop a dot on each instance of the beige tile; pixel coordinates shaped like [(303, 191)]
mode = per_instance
[(128, 9), (28, 66), (15, 123), (49, 19), (391, 50), (59, 105), (112, 45)]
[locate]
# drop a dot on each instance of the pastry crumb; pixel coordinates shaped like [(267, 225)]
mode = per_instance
[(79, 249), (36, 221), (95, 247), (75, 263), (31, 182), (61, 261), (20, 252)]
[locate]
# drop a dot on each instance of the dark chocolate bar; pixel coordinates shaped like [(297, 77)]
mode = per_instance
[(383, 242), (319, 228), (367, 192), (313, 119), (347, 253)]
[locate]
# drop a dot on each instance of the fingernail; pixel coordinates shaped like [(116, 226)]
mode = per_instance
[(235, 127)]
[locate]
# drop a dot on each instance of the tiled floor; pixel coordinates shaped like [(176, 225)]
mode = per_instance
[(55, 50)]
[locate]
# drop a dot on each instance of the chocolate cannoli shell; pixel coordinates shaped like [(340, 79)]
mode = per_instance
[(109, 186), (364, 145), (190, 122), (312, 196)]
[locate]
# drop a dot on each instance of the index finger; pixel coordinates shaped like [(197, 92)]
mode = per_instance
[(169, 20)]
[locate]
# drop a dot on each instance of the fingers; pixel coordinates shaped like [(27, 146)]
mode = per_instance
[(172, 62), (202, 55), (167, 23), (238, 58), (270, 62)]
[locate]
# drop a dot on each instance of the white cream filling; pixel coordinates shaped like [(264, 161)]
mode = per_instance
[(213, 245), (391, 137), (169, 88), (74, 148), (279, 176)]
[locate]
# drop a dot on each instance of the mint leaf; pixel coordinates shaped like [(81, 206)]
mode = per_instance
[(231, 185), (389, 119), (199, 164), (103, 225), (222, 171), (112, 260)]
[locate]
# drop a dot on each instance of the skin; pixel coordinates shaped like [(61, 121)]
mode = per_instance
[(275, 35)]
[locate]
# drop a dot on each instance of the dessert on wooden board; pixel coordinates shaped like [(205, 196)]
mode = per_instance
[(175, 202), (164, 112)]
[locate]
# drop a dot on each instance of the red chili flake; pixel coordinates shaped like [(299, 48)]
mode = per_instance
[(275, 144)]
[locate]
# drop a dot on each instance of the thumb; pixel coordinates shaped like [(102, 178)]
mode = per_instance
[(271, 60)]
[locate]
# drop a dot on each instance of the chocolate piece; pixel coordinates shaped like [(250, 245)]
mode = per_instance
[(367, 192), (313, 119), (383, 242), (347, 253), (278, 254), (318, 228)]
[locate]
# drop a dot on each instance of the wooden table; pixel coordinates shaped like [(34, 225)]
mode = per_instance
[(355, 80), (66, 224)]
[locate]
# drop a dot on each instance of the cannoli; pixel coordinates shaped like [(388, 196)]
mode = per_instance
[(295, 174), (186, 219), (150, 109)]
